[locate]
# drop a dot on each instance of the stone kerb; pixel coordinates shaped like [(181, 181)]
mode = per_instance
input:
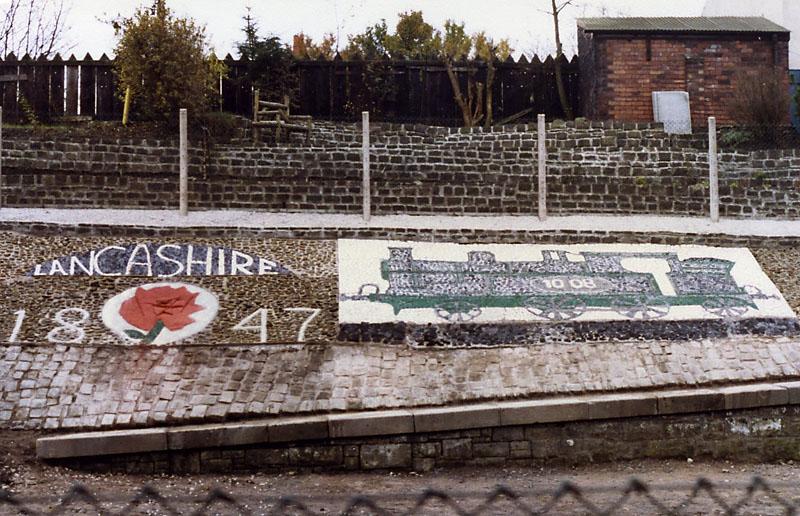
[(420, 420)]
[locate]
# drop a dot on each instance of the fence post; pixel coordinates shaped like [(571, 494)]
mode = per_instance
[(365, 182), (542, 140), (184, 164), (713, 169)]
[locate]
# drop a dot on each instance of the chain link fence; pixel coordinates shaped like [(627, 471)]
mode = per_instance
[(636, 497)]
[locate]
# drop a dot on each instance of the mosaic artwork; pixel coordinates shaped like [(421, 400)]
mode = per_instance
[(93, 291), (424, 283), (160, 313)]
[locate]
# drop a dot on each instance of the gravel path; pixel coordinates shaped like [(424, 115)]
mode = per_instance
[(601, 487)]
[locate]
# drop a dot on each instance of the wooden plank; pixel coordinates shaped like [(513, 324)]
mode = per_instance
[(40, 99), (105, 93), (56, 100), (26, 89), (281, 124), (71, 93), (9, 90), (276, 105), (88, 84), (13, 77)]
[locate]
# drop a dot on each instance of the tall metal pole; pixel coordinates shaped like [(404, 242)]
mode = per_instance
[(713, 169), (365, 184), (542, 138), (184, 164)]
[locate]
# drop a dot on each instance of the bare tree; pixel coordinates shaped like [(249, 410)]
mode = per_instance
[(562, 92), (33, 27)]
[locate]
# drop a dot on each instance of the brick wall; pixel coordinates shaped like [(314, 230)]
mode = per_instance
[(618, 74), (593, 168)]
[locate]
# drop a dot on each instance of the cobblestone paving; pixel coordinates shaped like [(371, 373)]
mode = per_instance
[(54, 387)]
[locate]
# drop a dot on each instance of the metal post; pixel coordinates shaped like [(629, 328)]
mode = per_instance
[(542, 168), (365, 185), (184, 164), (713, 169)]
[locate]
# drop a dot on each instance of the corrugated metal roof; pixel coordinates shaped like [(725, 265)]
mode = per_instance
[(673, 24)]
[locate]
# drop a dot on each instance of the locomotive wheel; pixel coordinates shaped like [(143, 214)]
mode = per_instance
[(640, 309), (458, 312), (724, 307), (563, 308)]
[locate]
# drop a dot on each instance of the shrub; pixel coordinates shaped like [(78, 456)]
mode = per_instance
[(163, 60), (761, 104), (735, 138)]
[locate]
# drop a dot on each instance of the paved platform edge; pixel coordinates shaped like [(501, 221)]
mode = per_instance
[(257, 220), (420, 420)]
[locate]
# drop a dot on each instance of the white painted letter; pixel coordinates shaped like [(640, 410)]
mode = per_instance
[(237, 267), (55, 266), (75, 263), (131, 261), (178, 264), (266, 267), (97, 260), (190, 262)]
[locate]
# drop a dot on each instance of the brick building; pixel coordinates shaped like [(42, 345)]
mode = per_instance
[(623, 60)]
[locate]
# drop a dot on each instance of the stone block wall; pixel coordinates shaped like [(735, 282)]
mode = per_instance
[(592, 168), (766, 434)]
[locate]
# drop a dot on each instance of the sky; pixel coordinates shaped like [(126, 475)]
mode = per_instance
[(523, 22)]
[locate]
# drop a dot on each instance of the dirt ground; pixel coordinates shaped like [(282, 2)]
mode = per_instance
[(42, 488)]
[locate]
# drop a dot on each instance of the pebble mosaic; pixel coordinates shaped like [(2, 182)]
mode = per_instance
[(445, 285), (85, 350), (96, 291)]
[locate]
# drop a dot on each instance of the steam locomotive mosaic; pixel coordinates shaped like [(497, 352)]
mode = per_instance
[(560, 287)]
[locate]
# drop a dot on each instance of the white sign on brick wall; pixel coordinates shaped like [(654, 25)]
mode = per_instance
[(672, 109)]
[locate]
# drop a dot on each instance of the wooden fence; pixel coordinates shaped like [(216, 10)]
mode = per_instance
[(401, 91)]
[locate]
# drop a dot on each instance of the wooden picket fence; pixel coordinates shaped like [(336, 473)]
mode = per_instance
[(413, 91)]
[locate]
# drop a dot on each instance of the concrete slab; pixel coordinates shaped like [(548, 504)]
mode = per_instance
[(749, 396), (387, 422), (102, 443), (456, 418), (298, 429), (611, 406), (686, 401), (229, 434), (792, 391), (544, 411)]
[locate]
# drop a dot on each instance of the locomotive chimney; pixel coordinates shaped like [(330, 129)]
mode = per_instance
[(400, 254)]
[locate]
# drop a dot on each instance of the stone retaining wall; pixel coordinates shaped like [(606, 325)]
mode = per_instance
[(764, 434), (593, 168)]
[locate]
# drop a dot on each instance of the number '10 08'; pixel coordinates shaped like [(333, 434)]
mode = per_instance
[(573, 283)]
